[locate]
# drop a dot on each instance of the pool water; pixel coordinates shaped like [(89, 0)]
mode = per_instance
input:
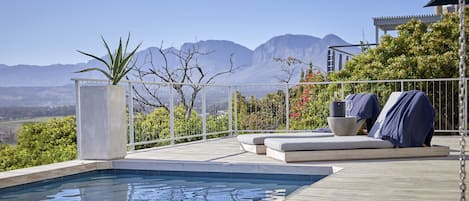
[(140, 185)]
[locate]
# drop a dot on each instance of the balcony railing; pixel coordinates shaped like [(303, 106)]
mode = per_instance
[(224, 110), (338, 55)]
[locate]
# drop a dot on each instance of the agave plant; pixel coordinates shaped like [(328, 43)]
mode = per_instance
[(119, 63)]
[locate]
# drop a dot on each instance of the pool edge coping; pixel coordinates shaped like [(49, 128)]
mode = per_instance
[(56, 170), (38, 173)]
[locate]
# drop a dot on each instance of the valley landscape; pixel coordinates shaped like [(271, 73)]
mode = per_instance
[(30, 93), (30, 85)]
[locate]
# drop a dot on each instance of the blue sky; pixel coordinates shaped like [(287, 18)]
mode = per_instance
[(49, 31)]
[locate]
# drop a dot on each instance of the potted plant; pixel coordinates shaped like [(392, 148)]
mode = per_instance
[(102, 111)]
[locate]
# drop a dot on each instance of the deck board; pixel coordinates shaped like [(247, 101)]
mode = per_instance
[(385, 179)]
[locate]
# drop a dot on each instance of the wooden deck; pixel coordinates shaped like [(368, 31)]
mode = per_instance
[(390, 179)]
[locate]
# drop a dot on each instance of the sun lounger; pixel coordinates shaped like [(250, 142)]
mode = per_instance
[(359, 147), (343, 148), (255, 142)]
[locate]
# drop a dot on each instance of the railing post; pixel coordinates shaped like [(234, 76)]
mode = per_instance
[(342, 90), (131, 117), (78, 117), (204, 114), (171, 113), (235, 112), (402, 85), (230, 110), (287, 108)]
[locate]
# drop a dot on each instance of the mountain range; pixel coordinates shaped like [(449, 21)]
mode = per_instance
[(254, 65), (251, 62)]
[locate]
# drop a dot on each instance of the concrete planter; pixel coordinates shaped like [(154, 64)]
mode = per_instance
[(103, 122)]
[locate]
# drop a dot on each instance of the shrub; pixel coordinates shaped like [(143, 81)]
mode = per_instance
[(41, 143)]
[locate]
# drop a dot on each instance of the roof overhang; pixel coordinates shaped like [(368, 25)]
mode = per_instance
[(442, 2), (390, 23)]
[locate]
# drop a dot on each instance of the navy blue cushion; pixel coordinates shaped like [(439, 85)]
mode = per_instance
[(365, 106), (409, 123)]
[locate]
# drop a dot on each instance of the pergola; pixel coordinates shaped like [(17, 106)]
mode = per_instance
[(390, 23)]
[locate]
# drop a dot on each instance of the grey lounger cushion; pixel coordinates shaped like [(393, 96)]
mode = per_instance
[(327, 143), (258, 139)]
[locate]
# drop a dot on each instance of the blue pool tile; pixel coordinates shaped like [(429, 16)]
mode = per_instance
[(168, 185)]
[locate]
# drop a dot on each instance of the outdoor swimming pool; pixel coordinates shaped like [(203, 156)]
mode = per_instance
[(161, 185)]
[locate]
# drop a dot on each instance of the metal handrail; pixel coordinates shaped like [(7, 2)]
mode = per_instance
[(233, 127), (271, 83), (332, 50), (352, 45)]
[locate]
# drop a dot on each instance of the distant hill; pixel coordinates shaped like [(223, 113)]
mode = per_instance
[(215, 58), (255, 66), (220, 53), (37, 96), (29, 75), (307, 48)]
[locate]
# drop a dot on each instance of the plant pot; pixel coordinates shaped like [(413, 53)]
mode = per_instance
[(103, 123)]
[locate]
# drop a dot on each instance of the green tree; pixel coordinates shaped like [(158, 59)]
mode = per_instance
[(309, 103), (418, 51), (266, 113), (41, 143), (155, 126)]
